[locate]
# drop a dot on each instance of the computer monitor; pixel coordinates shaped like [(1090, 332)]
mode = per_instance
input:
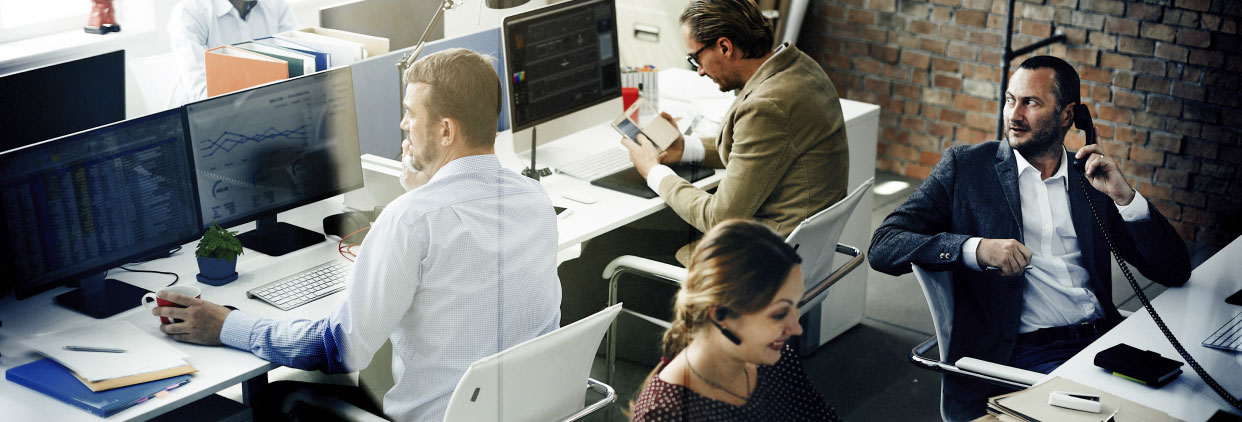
[(562, 69), (273, 148), (78, 205), (62, 98)]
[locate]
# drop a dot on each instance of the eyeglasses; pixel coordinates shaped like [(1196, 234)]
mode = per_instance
[(693, 58)]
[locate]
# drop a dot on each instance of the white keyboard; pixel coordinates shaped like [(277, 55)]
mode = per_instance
[(304, 287), (599, 165), (1228, 337)]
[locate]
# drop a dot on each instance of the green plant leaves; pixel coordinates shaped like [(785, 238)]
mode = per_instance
[(219, 243)]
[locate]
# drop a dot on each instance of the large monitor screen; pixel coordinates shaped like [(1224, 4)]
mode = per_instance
[(90, 201), (561, 59), (52, 101), (268, 149)]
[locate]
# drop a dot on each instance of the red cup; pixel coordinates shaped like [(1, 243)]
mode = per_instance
[(150, 298)]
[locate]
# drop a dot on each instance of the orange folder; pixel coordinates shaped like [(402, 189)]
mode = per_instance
[(230, 69)]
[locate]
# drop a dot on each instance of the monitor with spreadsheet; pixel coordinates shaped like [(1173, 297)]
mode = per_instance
[(62, 98), (78, 205), (272, 148), (562, 68)]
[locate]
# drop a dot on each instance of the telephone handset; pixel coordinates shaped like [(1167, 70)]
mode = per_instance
[(1082, 120)]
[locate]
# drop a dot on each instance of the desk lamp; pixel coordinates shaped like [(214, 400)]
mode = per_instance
[(408, 60)]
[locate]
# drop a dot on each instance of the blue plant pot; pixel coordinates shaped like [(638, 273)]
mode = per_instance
[(215, 271)]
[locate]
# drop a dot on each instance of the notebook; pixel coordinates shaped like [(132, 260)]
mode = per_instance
[(48, 377)]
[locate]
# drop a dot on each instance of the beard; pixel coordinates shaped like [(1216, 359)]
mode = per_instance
[(1043, 140), (725, 83)]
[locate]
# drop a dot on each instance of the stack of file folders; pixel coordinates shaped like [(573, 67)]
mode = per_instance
[(285, 55), (102, 383), (1031, 405)]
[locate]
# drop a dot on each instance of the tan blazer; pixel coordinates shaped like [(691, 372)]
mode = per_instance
[(783, 146)]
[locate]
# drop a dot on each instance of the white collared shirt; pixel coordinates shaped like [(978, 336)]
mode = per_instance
[(453, 271), (1056, 287), (199, 25)]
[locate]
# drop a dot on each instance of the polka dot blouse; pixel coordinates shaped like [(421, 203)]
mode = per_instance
[(782, 393)]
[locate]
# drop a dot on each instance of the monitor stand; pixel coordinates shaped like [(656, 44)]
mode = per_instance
[(101, 297), (276, 239)]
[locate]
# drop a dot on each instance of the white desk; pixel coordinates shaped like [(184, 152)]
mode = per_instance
[(219, 367), (1192, 312)]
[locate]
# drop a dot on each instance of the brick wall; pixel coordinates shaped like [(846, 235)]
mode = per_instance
[(1161, 78)]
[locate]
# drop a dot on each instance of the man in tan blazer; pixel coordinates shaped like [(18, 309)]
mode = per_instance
[(782, 143)]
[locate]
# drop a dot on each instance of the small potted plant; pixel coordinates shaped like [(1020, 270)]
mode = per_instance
[(217, 256)]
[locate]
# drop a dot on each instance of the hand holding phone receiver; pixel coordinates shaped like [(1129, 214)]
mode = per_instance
[(1082, 120)]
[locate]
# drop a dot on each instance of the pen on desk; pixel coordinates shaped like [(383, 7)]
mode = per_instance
[(94, 349)]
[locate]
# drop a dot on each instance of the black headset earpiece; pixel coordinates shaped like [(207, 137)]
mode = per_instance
[(720, 314), (1082, 120)]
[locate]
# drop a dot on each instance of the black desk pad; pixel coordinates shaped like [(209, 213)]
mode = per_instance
[(629, 181)]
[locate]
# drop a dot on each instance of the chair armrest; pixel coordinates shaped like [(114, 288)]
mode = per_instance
[(610, 396), (340, 408), (645, 267), (996, 374), (1000, 371), (815, 293)]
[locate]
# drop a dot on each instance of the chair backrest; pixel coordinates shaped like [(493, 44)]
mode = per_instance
[(542, 379), (938, 290), (816, 237)]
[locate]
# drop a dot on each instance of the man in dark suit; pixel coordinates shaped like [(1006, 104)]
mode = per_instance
[(989, 211)]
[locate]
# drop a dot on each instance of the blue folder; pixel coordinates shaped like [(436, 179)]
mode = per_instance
[(322, 59), (48, 377)]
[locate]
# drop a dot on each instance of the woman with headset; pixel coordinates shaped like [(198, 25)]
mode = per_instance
[(726, 355)]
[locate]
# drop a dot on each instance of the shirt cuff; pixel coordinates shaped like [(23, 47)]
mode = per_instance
[(238, 326), (1136, 211), (692, 150), (968, 253), (657, 175)]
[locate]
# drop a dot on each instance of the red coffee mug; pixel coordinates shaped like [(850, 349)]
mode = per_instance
[(150, 298)]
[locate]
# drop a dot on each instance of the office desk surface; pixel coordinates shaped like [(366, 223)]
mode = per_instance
[(218, 367), (1192, 312)]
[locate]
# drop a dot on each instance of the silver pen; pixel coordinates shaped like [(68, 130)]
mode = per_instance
[(993, 268), (94, 349)]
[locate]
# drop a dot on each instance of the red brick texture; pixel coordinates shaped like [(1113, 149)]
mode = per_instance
[(1161, 77)]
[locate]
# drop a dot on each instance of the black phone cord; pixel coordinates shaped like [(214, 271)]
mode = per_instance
[(1154, 316)]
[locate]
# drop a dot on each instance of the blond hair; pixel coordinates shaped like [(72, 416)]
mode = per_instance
[(463, 86)]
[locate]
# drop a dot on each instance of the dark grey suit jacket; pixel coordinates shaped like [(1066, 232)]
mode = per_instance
[(973, 192)]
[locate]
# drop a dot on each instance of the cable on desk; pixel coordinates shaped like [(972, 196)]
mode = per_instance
[(176, 277), (347, 251)]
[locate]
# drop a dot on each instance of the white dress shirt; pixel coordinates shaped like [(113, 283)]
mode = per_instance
[(199, 25), (1056, 286), (453, 271)]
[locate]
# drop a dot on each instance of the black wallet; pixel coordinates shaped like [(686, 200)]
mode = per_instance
[(1143, 366)]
